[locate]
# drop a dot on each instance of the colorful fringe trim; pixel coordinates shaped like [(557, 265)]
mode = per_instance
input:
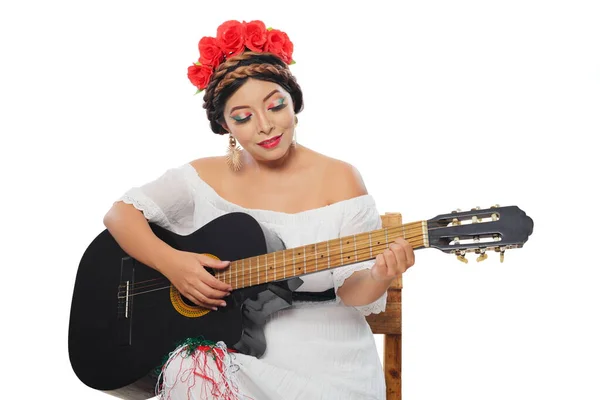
[(201, 380)]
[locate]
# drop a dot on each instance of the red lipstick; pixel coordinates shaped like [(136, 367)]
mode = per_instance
[(270, 143)]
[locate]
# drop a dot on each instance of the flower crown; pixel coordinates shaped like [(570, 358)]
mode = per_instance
[(233, 38)]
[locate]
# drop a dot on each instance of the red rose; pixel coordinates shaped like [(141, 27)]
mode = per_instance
[(200, 75), (256, 35), (279, 44), (210, 52), (231, 38)]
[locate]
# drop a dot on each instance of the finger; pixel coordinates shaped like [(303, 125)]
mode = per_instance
[(405, 253), (378, 269), (410, 257), (211, 302), (213, 263), (390, 260), (212, 293), (400, 254), (379, 261), (196, 301), (214, 283)]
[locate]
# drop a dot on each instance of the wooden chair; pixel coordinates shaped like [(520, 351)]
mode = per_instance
[(389, 324)]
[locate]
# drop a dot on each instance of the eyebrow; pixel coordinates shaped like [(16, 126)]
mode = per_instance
[(265, 99)]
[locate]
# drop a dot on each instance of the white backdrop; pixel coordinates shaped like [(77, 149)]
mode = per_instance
[(440, 105)]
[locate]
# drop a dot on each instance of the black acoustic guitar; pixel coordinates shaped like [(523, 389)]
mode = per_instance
[(126, 317)]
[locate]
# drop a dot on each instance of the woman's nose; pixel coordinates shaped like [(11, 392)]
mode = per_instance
[(264, 124)]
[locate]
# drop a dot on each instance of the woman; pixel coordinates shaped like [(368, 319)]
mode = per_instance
[(315, 349)]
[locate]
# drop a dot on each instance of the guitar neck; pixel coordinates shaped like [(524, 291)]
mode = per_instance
[(320, 256)]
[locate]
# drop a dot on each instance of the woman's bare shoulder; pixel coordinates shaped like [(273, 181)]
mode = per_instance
[(343, 180), (209, 169)]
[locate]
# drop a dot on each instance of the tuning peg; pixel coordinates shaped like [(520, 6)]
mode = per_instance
[(482, 257), (455, 222), (495, 206), (501, 250), (460, 255), (456, 211)]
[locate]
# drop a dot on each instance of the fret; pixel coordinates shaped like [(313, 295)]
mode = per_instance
[(387, 242), (266, 269), (236, 276), (250, 262), (284, 276), (304, 259), (355, 253), (243, 273), (403, 232), (370, 246), (341, 252), (316, 259), (328, 256), (275, 266)]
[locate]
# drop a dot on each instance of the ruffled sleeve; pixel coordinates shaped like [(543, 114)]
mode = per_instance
[(167, 201), (361, 217)]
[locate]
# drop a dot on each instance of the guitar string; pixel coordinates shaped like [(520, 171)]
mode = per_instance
[(373, 237), (168, 287), (363, 251), (249, 275), (416, 225), (379, 236)]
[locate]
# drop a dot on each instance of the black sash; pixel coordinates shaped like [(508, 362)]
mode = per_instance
[(314, 296)]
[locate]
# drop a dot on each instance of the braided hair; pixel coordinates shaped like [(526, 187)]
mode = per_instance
[(233, 73)]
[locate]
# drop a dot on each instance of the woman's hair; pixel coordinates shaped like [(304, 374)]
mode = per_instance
[(233, 73)]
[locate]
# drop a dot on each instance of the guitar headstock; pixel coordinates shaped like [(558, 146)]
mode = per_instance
[(479, 231)]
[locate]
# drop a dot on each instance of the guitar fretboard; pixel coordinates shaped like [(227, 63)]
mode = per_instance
[(320, 256)]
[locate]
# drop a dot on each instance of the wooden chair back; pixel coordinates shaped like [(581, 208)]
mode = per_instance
[(389, 324)]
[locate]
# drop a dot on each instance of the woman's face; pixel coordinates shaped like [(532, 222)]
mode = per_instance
[(260, 115)]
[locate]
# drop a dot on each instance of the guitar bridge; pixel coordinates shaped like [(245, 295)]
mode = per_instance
[(125, 301)]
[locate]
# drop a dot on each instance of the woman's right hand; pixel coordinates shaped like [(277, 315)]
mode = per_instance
[(186, 272)]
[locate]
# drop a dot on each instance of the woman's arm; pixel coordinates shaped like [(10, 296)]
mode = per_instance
[(132, 232)]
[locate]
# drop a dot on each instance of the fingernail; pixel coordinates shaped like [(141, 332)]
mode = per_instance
[(223, 304), (214, 308)]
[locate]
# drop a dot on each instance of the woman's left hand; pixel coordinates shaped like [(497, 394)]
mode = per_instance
[(394, 261)]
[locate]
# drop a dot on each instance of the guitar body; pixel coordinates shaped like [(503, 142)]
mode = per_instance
[(117, 340)]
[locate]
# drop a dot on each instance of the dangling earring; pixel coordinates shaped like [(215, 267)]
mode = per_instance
[(234, 155), (294, 136)]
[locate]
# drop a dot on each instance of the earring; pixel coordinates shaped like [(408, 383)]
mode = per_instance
[(234, 155), (294, 136)]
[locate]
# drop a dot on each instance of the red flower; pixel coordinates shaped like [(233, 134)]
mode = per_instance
[(279, 44), (210, 52), (234, 37), (256, 35), (231, 37), (200, 75)]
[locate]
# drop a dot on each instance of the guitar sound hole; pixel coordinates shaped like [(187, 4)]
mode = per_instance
[(187, 301)]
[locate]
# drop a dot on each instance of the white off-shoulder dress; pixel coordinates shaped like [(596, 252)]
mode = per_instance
[(317, 350)]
